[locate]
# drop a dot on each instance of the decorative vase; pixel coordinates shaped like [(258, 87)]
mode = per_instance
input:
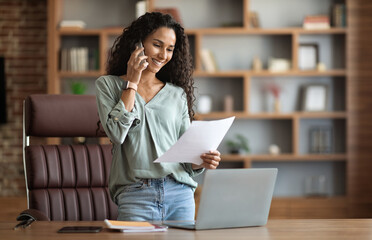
[(204, 104), (257, 64), (229, 103), (276, 105)]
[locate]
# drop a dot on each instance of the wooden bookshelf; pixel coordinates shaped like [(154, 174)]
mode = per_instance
[(338, 74)]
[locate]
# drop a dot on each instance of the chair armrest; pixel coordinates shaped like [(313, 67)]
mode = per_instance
[(33, 214)]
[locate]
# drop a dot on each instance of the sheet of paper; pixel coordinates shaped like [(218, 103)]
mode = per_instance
[(199, 138)]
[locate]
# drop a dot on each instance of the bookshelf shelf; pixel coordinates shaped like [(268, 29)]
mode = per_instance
[(79, 32), (82, 32), (334, 115), (285, 157), (294, 115), (238, 73), (80, 74), (263, 31), (327, 31), (265, 73), (113, 30)]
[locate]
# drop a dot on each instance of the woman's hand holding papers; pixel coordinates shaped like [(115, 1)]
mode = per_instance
[(211, 160)]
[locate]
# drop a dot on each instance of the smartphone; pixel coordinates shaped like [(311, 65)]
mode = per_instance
[(140, 45), (80, 229)]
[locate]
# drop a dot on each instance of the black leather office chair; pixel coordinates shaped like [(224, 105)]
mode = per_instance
[(65, 182)]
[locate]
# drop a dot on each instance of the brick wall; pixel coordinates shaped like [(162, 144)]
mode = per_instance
[(23, 39)]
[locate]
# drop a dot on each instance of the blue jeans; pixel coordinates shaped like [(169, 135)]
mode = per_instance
[(156, 200)]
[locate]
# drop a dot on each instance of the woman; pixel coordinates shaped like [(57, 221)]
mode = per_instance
[(144, 112)]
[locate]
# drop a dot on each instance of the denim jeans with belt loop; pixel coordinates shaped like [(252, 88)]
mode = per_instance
[(156, 200)]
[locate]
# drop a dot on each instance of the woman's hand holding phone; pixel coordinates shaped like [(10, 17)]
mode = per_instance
[(136, 64)]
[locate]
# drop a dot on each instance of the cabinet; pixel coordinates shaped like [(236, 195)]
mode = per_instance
[(224, 27)]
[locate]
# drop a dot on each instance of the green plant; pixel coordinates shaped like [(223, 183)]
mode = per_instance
[(239, 145), (78, 87)]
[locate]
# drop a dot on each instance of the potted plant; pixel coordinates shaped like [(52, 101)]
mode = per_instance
[(239, 145), (78, 87)]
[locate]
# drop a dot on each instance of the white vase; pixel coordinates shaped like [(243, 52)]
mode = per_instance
[(204, 104)]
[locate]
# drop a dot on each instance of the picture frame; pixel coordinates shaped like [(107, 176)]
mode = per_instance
[(315, 98), (308, 56)]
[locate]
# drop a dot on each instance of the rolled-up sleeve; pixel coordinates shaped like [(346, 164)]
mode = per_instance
[(115, 119), (190, 171)]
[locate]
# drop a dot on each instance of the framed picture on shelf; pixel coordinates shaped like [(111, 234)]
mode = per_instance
[(315, 98), (308, 56)]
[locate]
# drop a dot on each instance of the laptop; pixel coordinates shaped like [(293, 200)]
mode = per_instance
[(233, 198)]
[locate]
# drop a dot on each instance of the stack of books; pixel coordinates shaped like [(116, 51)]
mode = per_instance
[(72, 24), (316, 22), (321, 140), (339, 15), (129, 226), (79, 59)]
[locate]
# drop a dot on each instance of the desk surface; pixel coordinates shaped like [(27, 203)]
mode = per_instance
[(275, 229)]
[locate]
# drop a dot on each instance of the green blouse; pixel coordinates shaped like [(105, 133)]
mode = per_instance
[(144, 134)]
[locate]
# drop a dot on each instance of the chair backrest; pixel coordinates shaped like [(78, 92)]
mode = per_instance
[(66, 182)]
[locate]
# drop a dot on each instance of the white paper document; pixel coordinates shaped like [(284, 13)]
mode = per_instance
[(199, 138)]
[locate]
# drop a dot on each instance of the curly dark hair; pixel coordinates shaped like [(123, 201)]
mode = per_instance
[(177, 71)]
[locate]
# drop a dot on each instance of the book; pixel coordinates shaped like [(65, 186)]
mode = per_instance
[(253, 18), (133, 226), (73, 60), (79, 59), (208, 60), (321, 140), (338, 15), (72, 24), (279, 64), (316, 22), (93, 60), (141, 8), (156, 229), (64, 60), (128, 225)]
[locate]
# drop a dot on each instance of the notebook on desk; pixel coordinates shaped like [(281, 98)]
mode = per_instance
[(233, 198)]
